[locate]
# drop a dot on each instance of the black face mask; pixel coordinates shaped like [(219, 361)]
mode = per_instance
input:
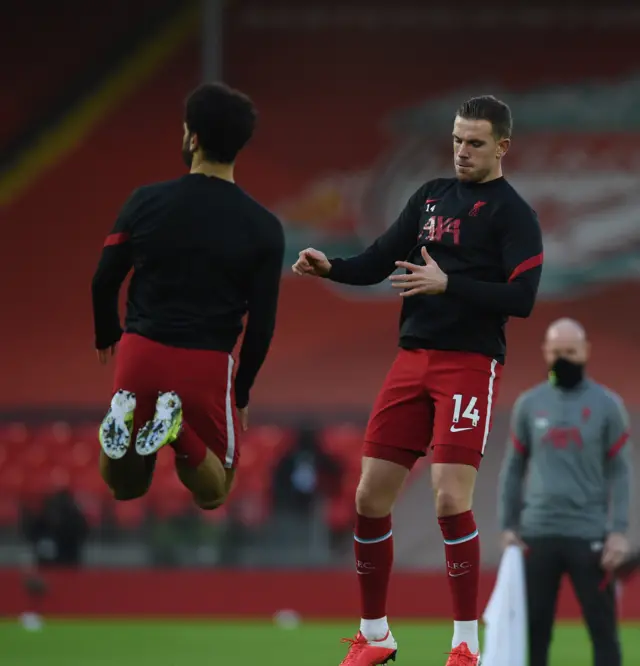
[(566, 374)]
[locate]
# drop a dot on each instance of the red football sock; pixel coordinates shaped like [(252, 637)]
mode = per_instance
[(462, 550), (374, 559)]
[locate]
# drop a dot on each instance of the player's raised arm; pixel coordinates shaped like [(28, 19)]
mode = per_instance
[(522, 254), (262, 307), (115, 263), (378, 260)]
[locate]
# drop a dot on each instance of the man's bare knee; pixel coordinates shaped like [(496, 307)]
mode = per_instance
[(453, 486), (380, 484)]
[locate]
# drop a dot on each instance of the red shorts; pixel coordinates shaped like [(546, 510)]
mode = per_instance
[(203, 380), (437, 399)]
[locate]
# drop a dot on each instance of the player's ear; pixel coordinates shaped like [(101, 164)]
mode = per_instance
[(502, 148)]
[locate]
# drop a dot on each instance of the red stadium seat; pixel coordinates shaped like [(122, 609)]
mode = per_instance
[(168, 505), (90, 492), (340, 513), (54, 435), (167, 496), (82, 458), (270, 443), (130, 515), (12, 479), (9, 510), (43, 459), (33, 457), (343, 442), (87, 433), (13, 439), (217, 516), (14, 433), (89, 481), (36, 483)]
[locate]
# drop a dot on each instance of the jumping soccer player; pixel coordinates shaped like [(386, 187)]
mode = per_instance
[(472, 251), (203, 255)]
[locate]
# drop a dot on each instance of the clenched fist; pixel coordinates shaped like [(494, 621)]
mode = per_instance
[(312, 262)]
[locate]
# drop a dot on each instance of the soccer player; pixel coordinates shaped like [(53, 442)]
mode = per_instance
[(471, 248), (203, 254), (572, 434)]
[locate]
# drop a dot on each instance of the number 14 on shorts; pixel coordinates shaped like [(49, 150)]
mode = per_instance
[(467, 419)]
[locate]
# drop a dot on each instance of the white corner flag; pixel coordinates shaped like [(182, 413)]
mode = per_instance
[(505, 637)]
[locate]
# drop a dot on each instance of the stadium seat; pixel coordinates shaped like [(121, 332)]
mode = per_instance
[(13, 436), (269, 442), (217, 516), (9, 510), (87, 433), (340, 513), (35, 461), (12, 480), (343, 442), (32, 457), (95, 32), (130, 515), (83, 458), (54, 435)]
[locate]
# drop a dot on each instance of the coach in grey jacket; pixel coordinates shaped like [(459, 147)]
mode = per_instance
[(570, 436)]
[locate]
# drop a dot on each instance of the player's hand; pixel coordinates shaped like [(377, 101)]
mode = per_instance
[(312, 262), (243, 417), (616, 549), (511, 538), (105, 354), (428, 279)]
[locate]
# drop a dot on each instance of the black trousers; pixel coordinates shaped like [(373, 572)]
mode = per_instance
[(547, 560)]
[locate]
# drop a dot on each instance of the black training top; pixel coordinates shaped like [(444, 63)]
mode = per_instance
[(203, 254), (486, 239)]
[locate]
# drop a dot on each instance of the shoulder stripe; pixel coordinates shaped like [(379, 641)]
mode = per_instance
[(116, 239)]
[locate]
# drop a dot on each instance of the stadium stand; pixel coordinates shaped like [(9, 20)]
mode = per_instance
[(38, 460), (51, 68)]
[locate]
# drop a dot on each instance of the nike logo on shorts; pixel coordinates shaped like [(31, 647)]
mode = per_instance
[(456, 429), (464, 573)]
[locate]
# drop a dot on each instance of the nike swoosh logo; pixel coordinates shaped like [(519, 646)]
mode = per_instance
[(464, 573), (428, 201), (455, 429)]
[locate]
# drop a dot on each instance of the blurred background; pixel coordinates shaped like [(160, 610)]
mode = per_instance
[(356, 101)]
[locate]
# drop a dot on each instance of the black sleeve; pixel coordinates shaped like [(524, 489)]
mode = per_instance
[(262, 307), (521, 248), (114, 265), (378, 261)]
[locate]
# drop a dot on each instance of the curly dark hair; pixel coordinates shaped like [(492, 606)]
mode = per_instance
[(223, 120)]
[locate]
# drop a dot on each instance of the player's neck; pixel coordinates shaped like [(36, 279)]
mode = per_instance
[(494, 175), (215, 170)]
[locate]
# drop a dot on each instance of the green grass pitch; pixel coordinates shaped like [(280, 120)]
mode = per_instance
[(215, 643)]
